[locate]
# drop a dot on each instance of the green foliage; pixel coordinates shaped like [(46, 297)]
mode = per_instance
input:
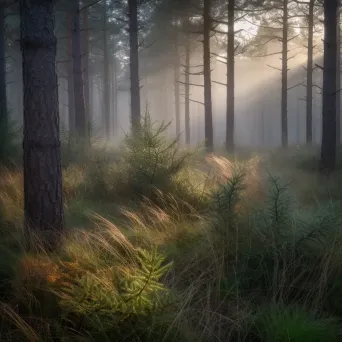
[(279, 323), (152, 160), (225, 202), (113, 299)]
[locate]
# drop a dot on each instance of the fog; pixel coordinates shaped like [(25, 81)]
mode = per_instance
[(257, 93)]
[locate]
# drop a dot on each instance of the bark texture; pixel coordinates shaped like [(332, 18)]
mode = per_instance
[(176, 70), (187, 92), (71, 98), (42, 161), (3, 97), (106, 74), (134, 65), (208, 113), (328, 147), (80, 113), (86, 70), (230, 78), (309, 70), (284, 72), (338, 83)]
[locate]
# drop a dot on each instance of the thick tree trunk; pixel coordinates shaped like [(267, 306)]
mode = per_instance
[(230, 78), (106, 74), (42, 161), (80, 113), (3, 97), (338, 84), (328, 148), (86, 69), (309, 70), (208, 114), (71, 98), (187, 92), (134, 65), (284, 72)]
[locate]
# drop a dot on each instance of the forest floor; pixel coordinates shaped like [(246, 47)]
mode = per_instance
[(163, 244)]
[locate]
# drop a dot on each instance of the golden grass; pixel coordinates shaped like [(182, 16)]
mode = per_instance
[(201, 313)]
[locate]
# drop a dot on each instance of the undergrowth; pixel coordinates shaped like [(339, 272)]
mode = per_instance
[(187, 248)]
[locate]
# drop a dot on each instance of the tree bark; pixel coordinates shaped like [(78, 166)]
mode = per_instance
[(208, 115), (115, 96), (3, 97), (176, 69), (134, 65), (42, 160), (106, 74), (230, 78), (80, 113), (71, 98), (187, 92), (309, 70), (328, 147), (86, 70), (284, 72), (338, 84)]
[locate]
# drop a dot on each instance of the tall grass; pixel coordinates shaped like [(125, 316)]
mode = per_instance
[(203, 248)]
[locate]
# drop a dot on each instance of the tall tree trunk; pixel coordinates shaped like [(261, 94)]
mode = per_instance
[(71, 98), (187, 92), (115, 96), (309, 71), (230, 78), (80, 113), (134, 65), (3, 97), (338, 84), (284, 71), (176, 69), (86, 69), (42, 160), (106, 73), (208, 114), (328, 148)]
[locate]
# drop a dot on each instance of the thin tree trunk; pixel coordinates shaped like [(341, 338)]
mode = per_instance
[(134, 65), (42, 161), (71, 98), (80, 113), (3, 97), (208, 115), (187, 92), (309, 85), (284, 72), (115, 96), (106, 74), (86, 69), (328, 148), (177, 98), (230, 78)]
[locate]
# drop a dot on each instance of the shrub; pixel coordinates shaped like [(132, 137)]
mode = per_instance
[(152, 160)]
